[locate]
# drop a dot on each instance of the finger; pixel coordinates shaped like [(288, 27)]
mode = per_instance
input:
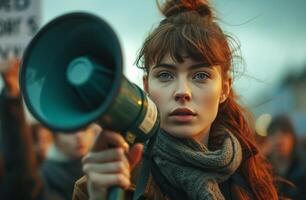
[(108, 180), (116, 139), (109, 138), (108, 155), (118, 167), (135, 155)]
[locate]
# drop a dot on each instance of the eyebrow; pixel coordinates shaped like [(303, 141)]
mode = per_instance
[(173, 66)]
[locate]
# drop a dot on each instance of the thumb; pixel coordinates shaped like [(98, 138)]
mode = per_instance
[(135, 155)]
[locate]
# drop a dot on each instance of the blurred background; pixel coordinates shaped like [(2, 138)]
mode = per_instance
[(271, 80)]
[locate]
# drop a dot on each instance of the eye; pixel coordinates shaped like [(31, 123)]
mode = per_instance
[(165, 76), (200, 76)]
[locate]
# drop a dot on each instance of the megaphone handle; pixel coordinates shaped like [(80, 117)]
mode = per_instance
[(115, 193)]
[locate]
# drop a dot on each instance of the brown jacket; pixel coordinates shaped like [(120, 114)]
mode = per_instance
[(152, 191)]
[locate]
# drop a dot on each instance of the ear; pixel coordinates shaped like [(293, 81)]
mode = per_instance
[(145, 83), (226, 88)]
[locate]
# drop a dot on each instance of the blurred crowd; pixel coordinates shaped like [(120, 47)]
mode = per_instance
[(286, 153), (39, 163), (36, 162)]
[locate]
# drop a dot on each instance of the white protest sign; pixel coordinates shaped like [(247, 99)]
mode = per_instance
[(19, 21)]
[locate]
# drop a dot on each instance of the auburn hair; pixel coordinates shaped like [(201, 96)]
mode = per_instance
[(190, 29)]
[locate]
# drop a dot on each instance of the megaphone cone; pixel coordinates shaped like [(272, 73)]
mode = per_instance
[(71, 75)]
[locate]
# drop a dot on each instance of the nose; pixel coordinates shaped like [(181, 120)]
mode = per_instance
[(183, 92)]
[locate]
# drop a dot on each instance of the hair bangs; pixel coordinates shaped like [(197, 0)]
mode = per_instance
[(179, 42)]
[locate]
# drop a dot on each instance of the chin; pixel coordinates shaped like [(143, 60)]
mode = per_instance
[(181, 131)]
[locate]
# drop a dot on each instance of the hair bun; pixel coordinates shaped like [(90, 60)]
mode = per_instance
[(174, 7)]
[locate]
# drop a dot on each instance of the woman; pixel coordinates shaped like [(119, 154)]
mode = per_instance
[(206, 148)]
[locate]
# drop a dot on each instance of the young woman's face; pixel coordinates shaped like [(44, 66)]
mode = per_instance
[(187, 94)]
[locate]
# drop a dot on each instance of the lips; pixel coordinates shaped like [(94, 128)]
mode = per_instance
[(182, 112), (182, 115)]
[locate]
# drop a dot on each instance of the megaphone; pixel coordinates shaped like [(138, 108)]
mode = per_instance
[(71, 75)]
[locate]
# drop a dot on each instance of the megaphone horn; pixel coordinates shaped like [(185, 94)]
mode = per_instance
[(71, 75)]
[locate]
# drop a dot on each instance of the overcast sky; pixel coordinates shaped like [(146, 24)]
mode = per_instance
[(271, 32)]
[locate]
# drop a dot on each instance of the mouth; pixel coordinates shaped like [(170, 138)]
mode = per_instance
[(182, 115)]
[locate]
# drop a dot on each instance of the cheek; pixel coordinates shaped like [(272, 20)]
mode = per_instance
[(157, 94), (209, 96), (158, 99), (213, 96), (288, 145)]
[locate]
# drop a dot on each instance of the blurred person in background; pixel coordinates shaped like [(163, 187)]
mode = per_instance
[(19, 176), (264, 145), (302, 153), (42, 137), (62, 166), (284, 158)]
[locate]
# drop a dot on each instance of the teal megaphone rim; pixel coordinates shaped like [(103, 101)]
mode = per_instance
[(117, 73)]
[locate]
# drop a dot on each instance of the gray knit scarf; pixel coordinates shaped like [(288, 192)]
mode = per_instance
[(190, 166)]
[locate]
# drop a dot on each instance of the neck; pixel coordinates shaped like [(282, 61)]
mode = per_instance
[(202, 137)]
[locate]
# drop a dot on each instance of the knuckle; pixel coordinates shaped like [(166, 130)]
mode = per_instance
[(120, 167), (118, 179), (122, 180), (119, 153)]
